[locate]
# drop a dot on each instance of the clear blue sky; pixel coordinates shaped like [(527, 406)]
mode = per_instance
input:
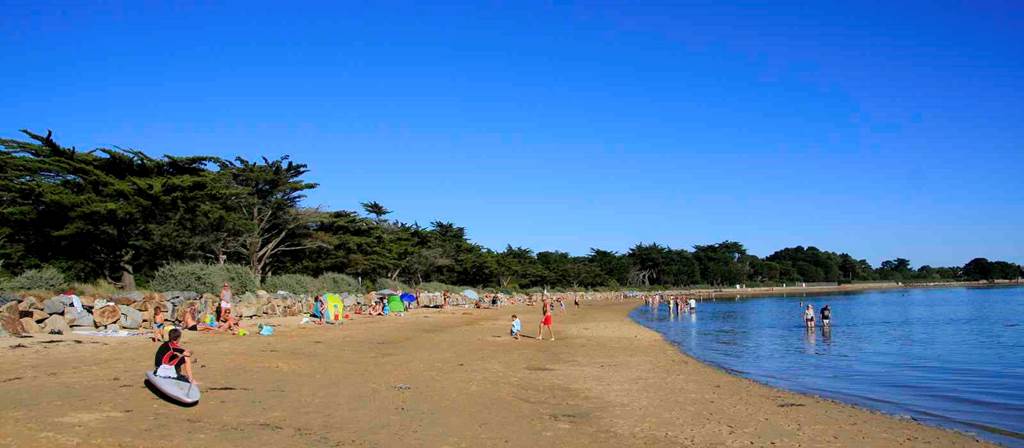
[(881, 129)]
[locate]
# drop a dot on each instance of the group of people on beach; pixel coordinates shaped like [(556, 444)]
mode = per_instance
[(676, 304), (170, 355)]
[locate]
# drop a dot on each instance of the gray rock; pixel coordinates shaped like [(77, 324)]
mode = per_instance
[(244, 298), (56, 322), (135, 296), (178, 297), (73, 317), (131, 318), (55, 305), (3, 333), (247, 310)]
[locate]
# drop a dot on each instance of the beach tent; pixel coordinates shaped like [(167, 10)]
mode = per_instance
[(388, 292), (471, 295), (395, 304), (335, 307), (406, 297)]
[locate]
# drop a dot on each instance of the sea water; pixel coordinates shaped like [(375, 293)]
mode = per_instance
[(946, 357)]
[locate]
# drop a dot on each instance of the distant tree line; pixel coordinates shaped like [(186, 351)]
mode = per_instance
[(120, 214)]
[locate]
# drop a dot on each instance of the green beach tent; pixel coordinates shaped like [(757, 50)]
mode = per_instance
[(395, 304)]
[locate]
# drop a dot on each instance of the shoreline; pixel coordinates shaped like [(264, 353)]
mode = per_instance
[(431, 378)]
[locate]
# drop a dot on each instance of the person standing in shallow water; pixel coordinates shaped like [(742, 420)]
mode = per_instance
[(809, 316), (826, 317), (546, 321)]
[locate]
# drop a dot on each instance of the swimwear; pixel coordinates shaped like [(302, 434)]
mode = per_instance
[(170, 354), (547, 320)]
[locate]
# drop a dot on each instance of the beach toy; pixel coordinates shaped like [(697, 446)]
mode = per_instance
[(348, 316), (266, 330), (242, 332)]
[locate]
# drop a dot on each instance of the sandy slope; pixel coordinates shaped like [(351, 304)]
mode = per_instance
[(605, 382)]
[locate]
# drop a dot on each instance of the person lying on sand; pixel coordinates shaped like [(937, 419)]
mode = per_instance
[(172, 360)]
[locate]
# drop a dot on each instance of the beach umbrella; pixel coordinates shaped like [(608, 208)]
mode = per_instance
[(388, 292), (472, 295), (406, 297)]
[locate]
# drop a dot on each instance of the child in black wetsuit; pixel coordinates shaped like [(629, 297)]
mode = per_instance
[(171, 354), (826, 315)]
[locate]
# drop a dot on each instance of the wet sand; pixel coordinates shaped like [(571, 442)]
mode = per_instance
[(432, 378)]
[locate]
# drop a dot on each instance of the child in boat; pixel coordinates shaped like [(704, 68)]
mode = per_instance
[(172, 360)]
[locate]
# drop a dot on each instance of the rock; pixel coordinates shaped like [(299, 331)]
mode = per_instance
[(11, 324), (3, 333), (55, 305), (145, 305), (88, 301), (37, 315), (30, 326), (244, 298), (122, 300), (35, 303), (180, 296), (77, 318), (131, 318), (11, 308), (106, 315), (56, 322), (129, 297), (247, 310), (24, 305)]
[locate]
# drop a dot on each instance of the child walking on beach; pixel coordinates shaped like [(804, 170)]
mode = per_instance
[(516, 327)]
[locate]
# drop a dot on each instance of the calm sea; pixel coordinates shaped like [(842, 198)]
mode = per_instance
[(945, 357)]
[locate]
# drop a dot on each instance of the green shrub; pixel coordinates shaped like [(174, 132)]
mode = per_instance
[(338, 283), (46, 279), (99, 288), (384, 283), (201, 277), (293, 283), (437, 287)]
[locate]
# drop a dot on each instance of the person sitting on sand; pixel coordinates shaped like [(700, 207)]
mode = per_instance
[(172, 360), (826, 316), (546, 321), (516, 327), (191, 319), (809, 316), (158, 324), (385, 308)]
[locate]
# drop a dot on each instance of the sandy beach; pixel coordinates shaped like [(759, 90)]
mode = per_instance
[(432, 378)]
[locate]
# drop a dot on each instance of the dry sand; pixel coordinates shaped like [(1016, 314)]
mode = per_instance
[(432, 378)]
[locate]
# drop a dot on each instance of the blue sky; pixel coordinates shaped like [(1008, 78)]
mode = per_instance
[(881, 129)]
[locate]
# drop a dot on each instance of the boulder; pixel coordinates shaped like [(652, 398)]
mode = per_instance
[(88, 301), (56, 322), (244, 298), (106, 315), (24, 305), (246, 310), (11, 324), (180, 296), (37, 315), (35, 303), (55, 305), (11, 308), (145, 305), (78, 318), (30, 326), (128, 297), (131, 318), (122, 300)]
